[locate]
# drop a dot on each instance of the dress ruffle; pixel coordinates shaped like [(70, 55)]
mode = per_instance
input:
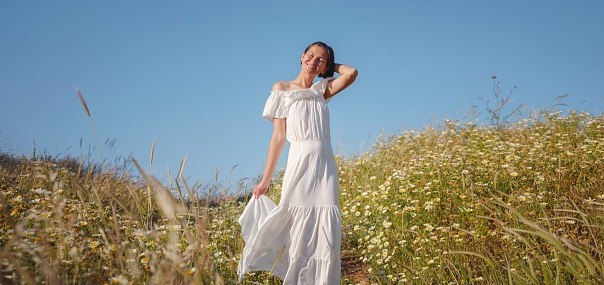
[(306, 235), (278, 103)]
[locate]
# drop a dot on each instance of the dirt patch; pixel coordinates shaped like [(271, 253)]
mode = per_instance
[(353, 268)]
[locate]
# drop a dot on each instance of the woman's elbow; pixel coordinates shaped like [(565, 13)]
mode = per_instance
[(279, 138), (353, 73)]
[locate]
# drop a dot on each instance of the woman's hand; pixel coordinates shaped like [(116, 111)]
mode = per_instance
[(260, 189)]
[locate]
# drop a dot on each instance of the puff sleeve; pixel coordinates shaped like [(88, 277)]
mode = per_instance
[(275, 106)]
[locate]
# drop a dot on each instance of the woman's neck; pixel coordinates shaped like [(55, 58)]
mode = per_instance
[(304, 79)]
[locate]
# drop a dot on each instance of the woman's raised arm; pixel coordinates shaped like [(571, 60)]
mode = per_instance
[(274, 151), (347, 76)]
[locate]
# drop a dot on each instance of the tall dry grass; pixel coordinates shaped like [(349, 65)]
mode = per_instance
[(67, 221), (59, 226), (454, 203)]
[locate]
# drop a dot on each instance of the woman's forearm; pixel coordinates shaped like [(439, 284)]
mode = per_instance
[(347, 76), (274, 151)]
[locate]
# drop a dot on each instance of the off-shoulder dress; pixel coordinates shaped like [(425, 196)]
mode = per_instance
[(306, 226)]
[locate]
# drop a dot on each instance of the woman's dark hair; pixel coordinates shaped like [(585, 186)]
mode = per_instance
[(330, 65)]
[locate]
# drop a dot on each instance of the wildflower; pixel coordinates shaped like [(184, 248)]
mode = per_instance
[(175, 228), (387, 224), (372, 178), (431, 261), (429, 227), (94, 244), (479, 279), (118, 280), (17, 199)]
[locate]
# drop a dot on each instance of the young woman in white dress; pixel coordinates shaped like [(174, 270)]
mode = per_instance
[(299, 240)]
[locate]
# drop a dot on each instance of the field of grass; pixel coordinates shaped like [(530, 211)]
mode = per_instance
[(454, 203)]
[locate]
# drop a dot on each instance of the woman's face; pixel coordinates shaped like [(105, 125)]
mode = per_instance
[(314, 60)]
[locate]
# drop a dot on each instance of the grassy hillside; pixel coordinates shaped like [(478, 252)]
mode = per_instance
[(63, 222), (455, 203), (461, 203)]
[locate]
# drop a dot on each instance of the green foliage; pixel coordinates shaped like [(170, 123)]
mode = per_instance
[(462, 203)]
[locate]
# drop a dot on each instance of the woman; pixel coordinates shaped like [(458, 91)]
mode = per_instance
[(299, 241)]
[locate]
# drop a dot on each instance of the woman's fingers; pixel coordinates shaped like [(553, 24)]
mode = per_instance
[(257, 193), (259, 190)]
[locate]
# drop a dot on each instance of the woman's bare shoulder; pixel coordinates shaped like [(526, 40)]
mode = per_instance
[(281, 85)]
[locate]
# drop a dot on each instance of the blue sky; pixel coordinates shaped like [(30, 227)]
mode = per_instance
[(195, 74)]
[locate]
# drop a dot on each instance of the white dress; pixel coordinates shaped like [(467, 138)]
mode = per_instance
[(307, 222)]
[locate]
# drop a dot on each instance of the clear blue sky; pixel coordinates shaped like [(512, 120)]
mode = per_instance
[(196, 74)]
